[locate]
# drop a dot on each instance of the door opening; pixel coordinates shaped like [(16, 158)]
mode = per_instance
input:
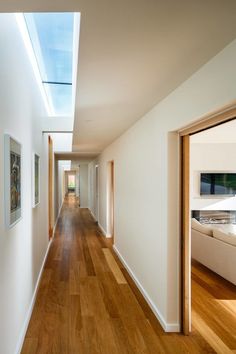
[(213, 120), (71, 183)]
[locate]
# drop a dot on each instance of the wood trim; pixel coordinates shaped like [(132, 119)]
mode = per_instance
[(50, 187), (185, 231), (113, 201), (216, 118)]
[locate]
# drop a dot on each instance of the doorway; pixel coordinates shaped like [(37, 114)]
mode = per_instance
[(110, 200), (71, 184), (225, 115)]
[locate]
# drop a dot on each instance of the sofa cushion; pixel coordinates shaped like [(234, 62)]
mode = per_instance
[(226, 228), (229, 238), (196, 225)]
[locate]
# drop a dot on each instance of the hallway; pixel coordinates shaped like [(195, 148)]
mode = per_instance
[(87, 304)]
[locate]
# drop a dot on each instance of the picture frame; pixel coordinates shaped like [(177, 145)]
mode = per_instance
[(36, 180), (12, 181)]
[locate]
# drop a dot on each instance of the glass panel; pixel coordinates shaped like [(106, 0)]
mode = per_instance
[(60, 97), (52, 40)]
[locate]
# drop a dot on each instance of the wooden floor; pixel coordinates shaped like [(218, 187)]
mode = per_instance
[(214, 308), (88, 304)]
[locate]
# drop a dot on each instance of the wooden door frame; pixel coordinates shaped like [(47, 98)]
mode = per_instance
[(113, 200), (110, 200), (50, 187), (221, 116), (97, 192)]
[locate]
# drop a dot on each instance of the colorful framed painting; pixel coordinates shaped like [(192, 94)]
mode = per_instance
[(36, 180), (13, 190)]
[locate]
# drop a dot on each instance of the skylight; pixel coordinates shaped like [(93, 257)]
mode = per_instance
[(52, 39)]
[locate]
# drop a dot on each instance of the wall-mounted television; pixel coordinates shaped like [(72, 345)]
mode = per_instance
[(218, 184)]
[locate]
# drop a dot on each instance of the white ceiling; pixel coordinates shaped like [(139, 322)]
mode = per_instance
[(133, 53), (221, 134)]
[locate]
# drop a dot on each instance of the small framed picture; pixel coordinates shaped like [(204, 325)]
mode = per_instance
[(36, 180), (13, 183)]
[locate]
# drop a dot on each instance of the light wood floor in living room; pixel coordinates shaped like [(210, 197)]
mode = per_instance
[(88, 304)]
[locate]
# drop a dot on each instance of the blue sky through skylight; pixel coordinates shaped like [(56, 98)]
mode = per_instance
[(51, 35)]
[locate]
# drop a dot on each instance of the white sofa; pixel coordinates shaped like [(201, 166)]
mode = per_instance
[(215, 247)]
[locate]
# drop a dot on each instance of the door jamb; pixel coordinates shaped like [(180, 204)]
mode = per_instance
[(50, 187)]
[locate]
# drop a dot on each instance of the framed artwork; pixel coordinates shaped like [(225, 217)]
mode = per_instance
[(12, 167), (36, 180)]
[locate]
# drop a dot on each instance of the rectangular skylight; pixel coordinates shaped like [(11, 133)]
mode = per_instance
[(52, 39)]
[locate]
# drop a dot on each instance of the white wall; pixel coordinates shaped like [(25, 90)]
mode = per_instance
[(83, 182), (23, 247), (215, 158), (147, 182)]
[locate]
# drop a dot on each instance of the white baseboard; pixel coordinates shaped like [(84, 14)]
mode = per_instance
[(103, 231), (108, 236), (92, 214), (31, 306), (168, 327)]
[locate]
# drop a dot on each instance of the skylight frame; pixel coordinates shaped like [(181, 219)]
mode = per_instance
[(32, 56)]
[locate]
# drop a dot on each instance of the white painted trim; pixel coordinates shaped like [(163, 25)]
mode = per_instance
[(92, 214), (108, 235), (103, 231), (31, 306), (168, 327)]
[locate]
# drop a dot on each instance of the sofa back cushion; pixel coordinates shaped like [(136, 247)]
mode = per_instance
[(196, 225), (229, 238)]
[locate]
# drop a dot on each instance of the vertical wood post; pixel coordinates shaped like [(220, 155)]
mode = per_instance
[(50, 187), (186, 241)]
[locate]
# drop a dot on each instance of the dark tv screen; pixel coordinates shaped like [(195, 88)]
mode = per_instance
[(218, 183)]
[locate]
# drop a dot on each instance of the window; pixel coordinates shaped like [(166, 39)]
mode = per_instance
[(54, 39)]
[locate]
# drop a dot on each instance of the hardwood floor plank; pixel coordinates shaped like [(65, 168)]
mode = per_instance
[(114, 267), (30, 346), (120, 336), (208, 304), (209, 335), (90, 337)]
